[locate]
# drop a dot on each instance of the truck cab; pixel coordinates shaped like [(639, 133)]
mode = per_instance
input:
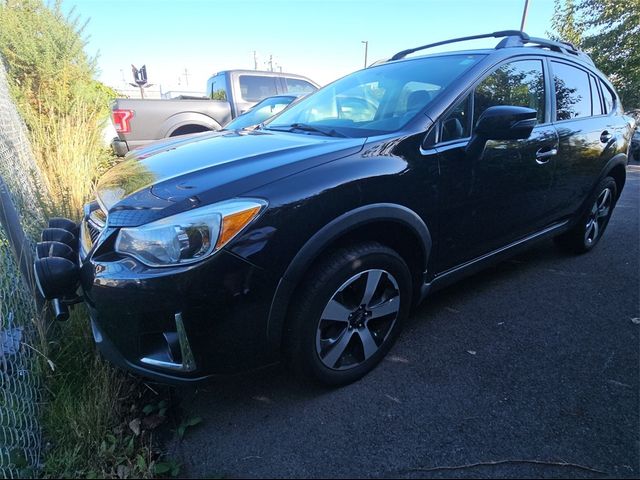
[(248, 87), (230, 93)]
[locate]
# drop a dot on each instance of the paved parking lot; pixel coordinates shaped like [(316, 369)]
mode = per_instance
[(532, 364)]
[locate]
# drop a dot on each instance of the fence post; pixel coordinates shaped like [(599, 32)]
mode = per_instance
[(18, 241)]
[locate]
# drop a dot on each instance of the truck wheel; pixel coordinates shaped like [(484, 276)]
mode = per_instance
[(187, 129), (591, 226), (348, 313)]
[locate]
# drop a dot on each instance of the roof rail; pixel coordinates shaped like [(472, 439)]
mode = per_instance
[(512, 38), (503, 33), (557, 46)]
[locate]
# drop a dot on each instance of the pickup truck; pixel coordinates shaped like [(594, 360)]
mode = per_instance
[(229, 93)]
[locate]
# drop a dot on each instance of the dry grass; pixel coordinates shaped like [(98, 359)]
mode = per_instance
[(71, 156)]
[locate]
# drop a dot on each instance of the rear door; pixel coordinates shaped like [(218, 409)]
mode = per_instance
[(500, 196), (249, 89), (587, 132)]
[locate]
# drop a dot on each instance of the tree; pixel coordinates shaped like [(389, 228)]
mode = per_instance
[(565, 23), (608, 30), (612, 42), (52, 82)]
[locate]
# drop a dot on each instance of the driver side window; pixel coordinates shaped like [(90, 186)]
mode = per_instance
[(519, 83)]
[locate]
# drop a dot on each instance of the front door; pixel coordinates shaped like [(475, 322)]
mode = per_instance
[(500, 195)]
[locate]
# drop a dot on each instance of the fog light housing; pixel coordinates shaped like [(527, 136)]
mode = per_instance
[(56, 277)]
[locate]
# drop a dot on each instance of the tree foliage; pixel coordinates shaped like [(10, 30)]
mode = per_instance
[(52, 82), (609, 31), (565, 24)]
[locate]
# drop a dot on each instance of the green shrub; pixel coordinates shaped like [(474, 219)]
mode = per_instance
[(52, 81)]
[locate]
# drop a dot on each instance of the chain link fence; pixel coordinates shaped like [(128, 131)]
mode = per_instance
[(20, 389)]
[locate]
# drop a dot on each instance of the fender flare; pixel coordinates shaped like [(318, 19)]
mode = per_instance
[(619, 159), (332, 231)]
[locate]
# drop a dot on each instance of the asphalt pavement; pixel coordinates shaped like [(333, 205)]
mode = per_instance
[(528, 369)]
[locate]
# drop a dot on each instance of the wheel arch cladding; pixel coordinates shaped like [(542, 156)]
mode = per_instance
[(391, 224), (619, 173)]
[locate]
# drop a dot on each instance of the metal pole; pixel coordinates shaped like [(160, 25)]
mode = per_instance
[(255, 60), (21, 247), (524, 15), (366, 48)]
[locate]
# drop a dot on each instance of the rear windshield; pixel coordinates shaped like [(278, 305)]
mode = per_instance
[(379, 99)]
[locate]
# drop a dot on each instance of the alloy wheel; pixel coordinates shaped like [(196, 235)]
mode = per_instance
[(598, 217), (357, 319)]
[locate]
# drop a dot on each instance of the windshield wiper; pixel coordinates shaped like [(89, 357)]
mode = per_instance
[(329, 132)]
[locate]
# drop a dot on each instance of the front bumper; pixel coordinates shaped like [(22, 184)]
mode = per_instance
[(110, 351), (219, 307)]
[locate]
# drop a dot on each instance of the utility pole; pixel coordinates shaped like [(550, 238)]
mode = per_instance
[(271, 63), (366, 48), (186, 76), (524, 15), (255, 60)]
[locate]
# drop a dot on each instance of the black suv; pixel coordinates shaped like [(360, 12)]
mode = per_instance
[(311, 238)]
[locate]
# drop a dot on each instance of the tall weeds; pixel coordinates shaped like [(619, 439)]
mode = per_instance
[(89, 404), (52, 81), (70, 155)]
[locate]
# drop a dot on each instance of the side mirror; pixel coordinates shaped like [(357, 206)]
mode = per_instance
[(502, 122)]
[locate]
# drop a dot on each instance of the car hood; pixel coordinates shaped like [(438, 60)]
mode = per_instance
[(173, 177), (169, 143)]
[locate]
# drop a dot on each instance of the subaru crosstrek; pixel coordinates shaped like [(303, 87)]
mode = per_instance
[(311, 238)]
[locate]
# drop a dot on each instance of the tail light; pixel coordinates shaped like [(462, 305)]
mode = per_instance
[(122, 119)]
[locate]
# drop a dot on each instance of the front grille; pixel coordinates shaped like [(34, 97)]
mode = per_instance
[(94, 232), (95, 220)]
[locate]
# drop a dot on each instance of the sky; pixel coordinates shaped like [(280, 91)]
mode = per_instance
[(321, 39)]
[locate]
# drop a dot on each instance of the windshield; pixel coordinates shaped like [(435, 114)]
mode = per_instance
[(375, 100), (260, 112)]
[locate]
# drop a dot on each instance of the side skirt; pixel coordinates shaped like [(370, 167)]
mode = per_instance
[(454, 274)]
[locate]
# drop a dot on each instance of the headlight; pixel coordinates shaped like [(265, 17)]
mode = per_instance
[(189, 236)]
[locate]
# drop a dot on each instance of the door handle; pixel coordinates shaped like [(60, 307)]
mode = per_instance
[(544, 155), (605, 137)]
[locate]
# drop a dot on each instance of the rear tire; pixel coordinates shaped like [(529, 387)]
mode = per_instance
[(348, 313), (591, 226)]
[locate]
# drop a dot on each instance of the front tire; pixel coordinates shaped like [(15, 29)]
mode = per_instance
[(589, 230), (348, 313)]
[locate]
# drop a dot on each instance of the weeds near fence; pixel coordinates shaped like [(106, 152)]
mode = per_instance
[(90, 410), (88, 404), (65, 109)]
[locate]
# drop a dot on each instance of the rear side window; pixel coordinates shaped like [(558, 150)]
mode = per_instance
[(217, 88), (254, 88), (519, 83), (608, 98), (596, 104), (573, 93), (298, 86)]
